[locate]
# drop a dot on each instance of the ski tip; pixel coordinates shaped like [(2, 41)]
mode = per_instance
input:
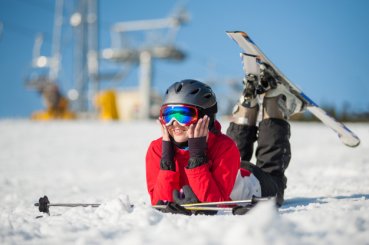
[(349, 138), (240, 32), (353, 141)]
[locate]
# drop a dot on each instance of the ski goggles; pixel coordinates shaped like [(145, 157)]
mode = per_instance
[(185, 115)]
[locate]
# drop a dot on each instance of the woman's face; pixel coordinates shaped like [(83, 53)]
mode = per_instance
[(178, 132)]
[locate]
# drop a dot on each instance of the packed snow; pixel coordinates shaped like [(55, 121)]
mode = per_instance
[(94, 162)]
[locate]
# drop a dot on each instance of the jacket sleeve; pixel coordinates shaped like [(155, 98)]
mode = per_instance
[(160, 183), (214, 180)]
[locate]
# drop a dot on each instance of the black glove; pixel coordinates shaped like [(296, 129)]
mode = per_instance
[(187, 196), (241, 210), (173, 208), (197, 148), (167, 156)]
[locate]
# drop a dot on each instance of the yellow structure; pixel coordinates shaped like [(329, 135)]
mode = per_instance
[(111, 105), (61, 112), (106, 103), (56, 104)]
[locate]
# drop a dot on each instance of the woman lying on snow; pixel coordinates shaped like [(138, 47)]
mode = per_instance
[(194, 161)]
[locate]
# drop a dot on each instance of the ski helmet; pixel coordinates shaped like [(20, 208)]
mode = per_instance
[(192, 92)]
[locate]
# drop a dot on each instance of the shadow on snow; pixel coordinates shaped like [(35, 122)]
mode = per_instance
[(301, 202)]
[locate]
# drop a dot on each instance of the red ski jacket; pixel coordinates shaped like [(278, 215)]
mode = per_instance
[(210, 182)]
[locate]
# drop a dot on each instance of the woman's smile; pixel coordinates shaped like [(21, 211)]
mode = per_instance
[(178, 132)]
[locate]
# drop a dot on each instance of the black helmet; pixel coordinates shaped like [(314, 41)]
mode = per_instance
[(192, 92)]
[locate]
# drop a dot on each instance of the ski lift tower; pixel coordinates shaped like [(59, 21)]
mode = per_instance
[(86, 65), (156, 42), (51, 63)]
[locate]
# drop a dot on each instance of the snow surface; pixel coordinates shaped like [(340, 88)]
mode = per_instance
[(93, 162)]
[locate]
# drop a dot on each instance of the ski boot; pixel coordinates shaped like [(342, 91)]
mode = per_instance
[(279, 102), (245, 112)]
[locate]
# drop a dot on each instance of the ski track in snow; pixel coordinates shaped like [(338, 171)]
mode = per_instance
[(93, 162)]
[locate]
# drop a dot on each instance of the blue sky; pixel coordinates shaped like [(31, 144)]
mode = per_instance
[(322, 46)]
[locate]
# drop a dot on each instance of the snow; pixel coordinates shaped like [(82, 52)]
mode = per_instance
[(93, 162)]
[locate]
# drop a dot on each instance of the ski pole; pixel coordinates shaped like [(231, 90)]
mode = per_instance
[(208, 206), (253, 200), (198, 208), (44, 204)]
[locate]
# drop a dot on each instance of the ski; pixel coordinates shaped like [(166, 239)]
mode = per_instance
[(254, 55)]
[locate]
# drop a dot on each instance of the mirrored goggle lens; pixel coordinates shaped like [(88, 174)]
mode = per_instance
[(182, 114)]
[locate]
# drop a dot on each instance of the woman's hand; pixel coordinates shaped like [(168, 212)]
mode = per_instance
[(164, 131), (167, 154), (201, 129), (197, 138)]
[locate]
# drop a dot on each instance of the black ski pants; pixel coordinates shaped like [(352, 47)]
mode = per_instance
[(273, 153)]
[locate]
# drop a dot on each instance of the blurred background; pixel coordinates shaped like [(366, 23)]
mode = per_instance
[(113, 60)]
